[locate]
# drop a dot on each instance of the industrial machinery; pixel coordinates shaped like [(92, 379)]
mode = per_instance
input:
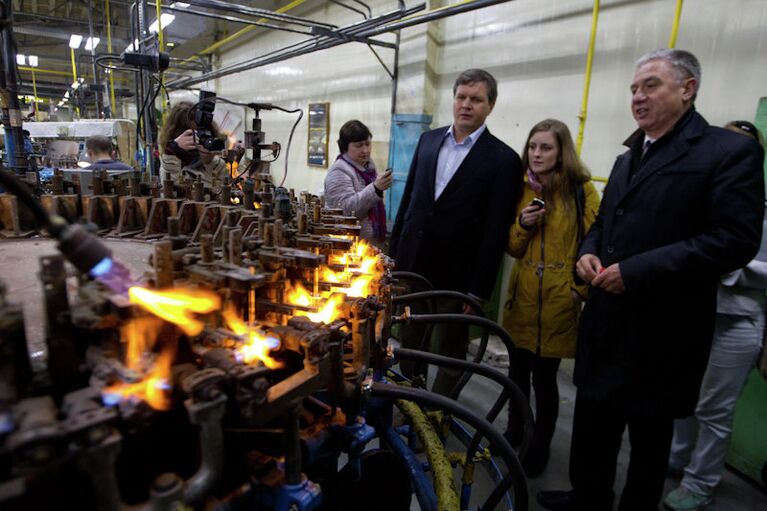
[(251, 369)]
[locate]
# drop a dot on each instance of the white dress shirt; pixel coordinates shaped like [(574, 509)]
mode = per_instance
[(451, 155)]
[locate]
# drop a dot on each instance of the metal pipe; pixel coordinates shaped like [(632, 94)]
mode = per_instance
[(112, 104), (675, 26), (424, 492), (14, 138), (264, 13), (435, 14), (299, 48), (208, 416), (97, 91), (587, 78), (516, 474), (233, 19)]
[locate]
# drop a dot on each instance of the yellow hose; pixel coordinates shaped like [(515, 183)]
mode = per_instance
[(109, 49), (587, 83), (675, 27), (444, 484)]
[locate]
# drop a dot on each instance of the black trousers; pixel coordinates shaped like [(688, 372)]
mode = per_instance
[(597, 432), (448, 339), (523, 365)]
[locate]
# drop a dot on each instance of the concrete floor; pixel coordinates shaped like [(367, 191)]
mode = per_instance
[(735, 493), (19, 264)]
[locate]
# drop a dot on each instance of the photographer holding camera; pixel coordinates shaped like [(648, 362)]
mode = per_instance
[(183, 149)]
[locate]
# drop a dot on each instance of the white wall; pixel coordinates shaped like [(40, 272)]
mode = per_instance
[(537, 51)]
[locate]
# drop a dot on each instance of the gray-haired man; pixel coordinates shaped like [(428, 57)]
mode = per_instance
[(683, 206)]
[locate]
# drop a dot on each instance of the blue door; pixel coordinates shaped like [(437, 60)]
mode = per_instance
[(406, 129)]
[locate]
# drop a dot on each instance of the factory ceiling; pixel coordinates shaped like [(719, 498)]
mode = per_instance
[(43, 28)]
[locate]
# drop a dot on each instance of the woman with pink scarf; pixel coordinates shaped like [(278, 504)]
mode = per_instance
[(353, 185), (558, 205)]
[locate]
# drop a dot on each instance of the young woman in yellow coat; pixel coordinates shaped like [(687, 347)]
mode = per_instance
[(543, 303)]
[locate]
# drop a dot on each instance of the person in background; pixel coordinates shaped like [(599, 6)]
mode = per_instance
[(683, 206), (455, 214), (558, 205), (353, 185), (181, 155), (29, 150), (699, 446), (101, 154)]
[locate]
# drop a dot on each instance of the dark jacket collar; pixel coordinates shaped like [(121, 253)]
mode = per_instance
[(691, 125)]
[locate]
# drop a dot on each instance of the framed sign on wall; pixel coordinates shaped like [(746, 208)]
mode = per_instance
[(319, 124)]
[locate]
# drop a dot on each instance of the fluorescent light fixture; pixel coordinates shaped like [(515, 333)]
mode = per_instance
[(33, 60), (83, 164), (165, 18), (75, 40), (66, 95), (91, 43), (75, 85), (21, 59), (133, 47), (178, 5)]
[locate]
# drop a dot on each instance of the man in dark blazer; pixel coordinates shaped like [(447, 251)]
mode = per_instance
[(675, 216), (459, 202)]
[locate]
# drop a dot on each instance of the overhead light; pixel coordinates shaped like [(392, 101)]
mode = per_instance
[(91, 43), (33, 60), (133, 47), (165, 18), (66, 95), (21, 59), (75, 40), (75, 85), (178, 5)]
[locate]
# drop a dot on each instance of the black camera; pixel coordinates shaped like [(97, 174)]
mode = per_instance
[(203, 119)]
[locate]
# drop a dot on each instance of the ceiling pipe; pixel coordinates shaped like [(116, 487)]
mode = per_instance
[(233, 19), (359, 28), (263, 13), (436, 14)]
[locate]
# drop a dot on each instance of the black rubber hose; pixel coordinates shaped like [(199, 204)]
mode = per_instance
[(515, 475), (412, 276), (466, 299), (440, 293), (497, 376), (461, 318)]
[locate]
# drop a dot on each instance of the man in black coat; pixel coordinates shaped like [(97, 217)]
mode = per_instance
[(677, 213), (459, 202)]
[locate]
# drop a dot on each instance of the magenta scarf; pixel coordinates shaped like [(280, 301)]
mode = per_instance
[(532, 180), (376, 214)]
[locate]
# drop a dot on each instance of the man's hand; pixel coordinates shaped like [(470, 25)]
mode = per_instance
[(610, 279), (186, 140), (588, 267)]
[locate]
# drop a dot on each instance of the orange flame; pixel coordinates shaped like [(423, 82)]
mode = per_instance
[(328, 313), (140, 334), (298, 295), (153, 388), (177, 305), (256, 346)]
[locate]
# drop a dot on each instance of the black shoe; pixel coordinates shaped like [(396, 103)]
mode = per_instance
[(557, 500)]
